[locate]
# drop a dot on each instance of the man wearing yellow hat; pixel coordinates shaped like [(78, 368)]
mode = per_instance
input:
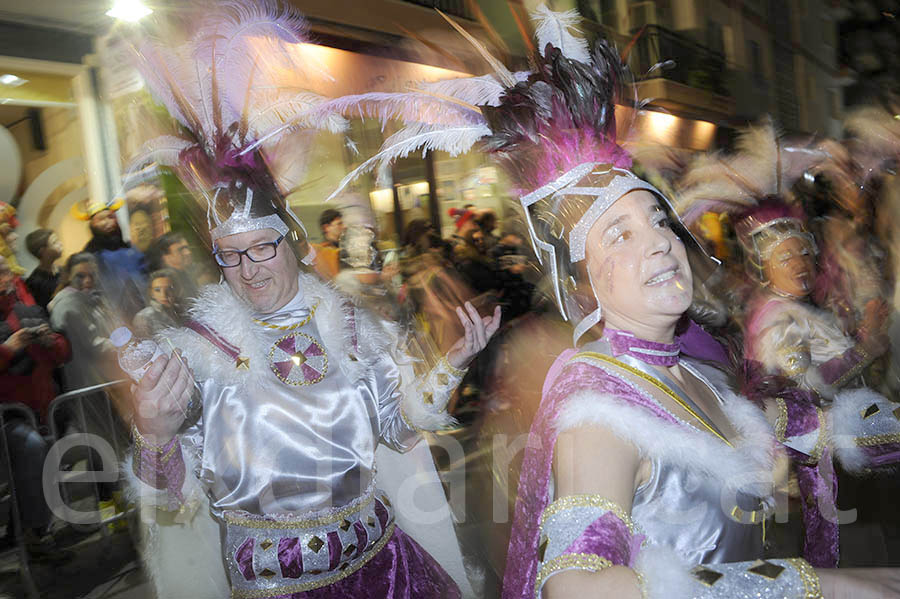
[(121, 266)]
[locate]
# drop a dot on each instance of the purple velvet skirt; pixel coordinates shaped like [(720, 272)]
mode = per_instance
[(401, 570)]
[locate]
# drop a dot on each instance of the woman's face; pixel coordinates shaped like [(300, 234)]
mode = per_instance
[(83, 276), (163, 291), (638, 266), (791, 268)]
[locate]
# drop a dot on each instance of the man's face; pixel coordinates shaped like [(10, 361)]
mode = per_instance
[(104, 222), (6, 277), (54, 248), (265, 286), (334, 230), (163, 291), (179, 255)]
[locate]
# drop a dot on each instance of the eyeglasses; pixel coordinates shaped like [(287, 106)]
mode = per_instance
[(256, 253)]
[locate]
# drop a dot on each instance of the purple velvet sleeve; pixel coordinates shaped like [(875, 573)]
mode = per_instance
[(838, 371), (161, 467), (608, 537)]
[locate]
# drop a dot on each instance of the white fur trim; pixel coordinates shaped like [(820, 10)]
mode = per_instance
[(847, 425), (681, 444), (666, 574), (418, 414), (220, 309)]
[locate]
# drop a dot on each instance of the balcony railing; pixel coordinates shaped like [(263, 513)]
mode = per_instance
[(694, 65), (456, 8)]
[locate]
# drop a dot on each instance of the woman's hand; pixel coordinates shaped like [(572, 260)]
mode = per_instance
[(478, 331), (859, 583), (161, 399)]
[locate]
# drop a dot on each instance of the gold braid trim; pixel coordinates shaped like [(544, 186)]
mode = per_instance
[(819, 449), (864, 361), (140, 444), (656, 383), (878, 440), (288, 327), (580, 561), (232, 518), (575, 501), (315, 584), (453, 370), (811, 587), (781, 421)]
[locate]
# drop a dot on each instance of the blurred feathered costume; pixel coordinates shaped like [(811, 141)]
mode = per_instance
[(553, 129), (796, 356), (238, 88), (297, 406)]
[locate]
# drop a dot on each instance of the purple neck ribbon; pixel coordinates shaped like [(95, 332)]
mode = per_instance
[(650, 352)]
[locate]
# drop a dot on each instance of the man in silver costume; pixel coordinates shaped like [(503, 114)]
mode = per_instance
[(297, 388)]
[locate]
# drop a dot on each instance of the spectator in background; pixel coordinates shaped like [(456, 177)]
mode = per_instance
[(80, 313), (473, 263), (486, 219), (163, 309), (44, 245), (140, 224), (327, 262), (29, 351), (511, 263), (171, 251), (120, 267), (464, 219)]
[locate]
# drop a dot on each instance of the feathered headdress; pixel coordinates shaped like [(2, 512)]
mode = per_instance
[(237, 87), (752, 184), (552, 129), (763, 164)]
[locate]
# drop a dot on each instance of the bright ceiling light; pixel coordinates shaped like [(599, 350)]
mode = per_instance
[(128, 10), (11, 80)]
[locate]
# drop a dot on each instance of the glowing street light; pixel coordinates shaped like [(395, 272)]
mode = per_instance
[(128, 10)]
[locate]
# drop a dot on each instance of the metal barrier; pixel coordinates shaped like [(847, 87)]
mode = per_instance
[(74, 402), (7, 410)]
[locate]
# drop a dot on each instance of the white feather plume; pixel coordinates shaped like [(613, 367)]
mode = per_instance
[(554, 28), (427, 137), (480, 91), (163, 150), (876, 128)]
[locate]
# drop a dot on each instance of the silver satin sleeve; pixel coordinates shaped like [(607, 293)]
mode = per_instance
[(386, 379), (789, 578)]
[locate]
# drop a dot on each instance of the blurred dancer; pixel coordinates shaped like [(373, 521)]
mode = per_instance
[(796, 356), (297, 386), (642, 471)]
